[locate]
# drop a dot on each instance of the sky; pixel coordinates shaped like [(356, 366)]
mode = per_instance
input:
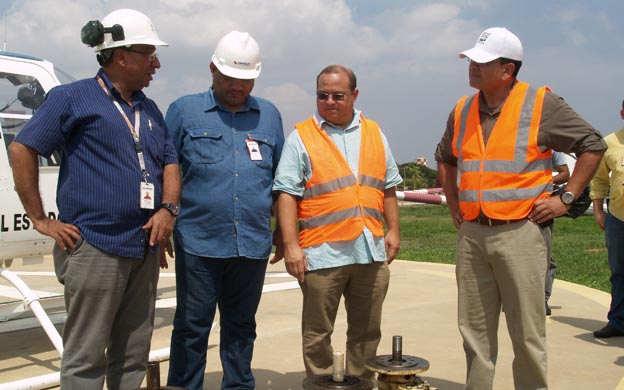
[(403, 52)]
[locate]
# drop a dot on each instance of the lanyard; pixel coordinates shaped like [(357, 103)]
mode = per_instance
[(134, 130)]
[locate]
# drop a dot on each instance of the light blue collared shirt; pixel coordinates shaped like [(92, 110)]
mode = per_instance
[(295, 169)]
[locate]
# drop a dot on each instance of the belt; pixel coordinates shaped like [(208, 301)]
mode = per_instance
[(493, 222)]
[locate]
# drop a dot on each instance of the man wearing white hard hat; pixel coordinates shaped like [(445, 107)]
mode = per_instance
[(499, 144), (228, 143), (118, 190)]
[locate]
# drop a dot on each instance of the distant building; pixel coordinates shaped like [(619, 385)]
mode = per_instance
[(422, 161)]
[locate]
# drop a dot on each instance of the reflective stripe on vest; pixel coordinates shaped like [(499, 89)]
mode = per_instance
[(505, 177), (335, 206)]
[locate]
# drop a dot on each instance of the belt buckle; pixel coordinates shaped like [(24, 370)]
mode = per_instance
[(482, 221)]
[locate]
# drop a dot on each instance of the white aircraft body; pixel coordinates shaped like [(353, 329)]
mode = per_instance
[(24, 81)]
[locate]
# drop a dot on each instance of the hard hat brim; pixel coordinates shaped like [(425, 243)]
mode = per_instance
[(243, 74)]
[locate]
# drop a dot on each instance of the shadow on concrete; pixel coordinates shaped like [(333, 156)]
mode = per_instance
[(265, 380)]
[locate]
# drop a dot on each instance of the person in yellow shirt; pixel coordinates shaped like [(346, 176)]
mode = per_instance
[(610, 177)]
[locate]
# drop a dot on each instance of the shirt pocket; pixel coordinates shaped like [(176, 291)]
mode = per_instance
[(267, 148), (205, 146)]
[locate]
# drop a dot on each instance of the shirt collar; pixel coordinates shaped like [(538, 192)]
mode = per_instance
[(211, 103), (137, 97), (324, 124)]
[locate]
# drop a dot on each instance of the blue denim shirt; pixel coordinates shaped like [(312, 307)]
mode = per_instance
[(225, 208), (294, 171), (99, 179)]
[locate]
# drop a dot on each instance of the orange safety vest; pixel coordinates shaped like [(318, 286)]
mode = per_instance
[(336, 206), (506, 177)]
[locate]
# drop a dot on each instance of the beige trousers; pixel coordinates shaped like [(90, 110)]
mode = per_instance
[(503, 266), (364, 288)]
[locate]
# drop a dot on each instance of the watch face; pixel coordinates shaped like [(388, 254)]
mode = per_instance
[(173, 208), (567, 198)]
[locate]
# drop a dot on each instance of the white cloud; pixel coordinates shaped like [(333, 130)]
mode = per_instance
[(404, 53)]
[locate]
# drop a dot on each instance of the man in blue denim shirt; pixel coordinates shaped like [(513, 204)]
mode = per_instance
[(229, 144)]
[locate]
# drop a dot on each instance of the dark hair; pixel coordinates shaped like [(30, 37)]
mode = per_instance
[(105, 57), (334, 69), (517, 64)]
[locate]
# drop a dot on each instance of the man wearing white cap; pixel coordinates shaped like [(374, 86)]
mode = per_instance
[(228, 143), (499, 144)]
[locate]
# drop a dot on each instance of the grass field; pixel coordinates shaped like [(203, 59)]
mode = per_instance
[(427, 234)]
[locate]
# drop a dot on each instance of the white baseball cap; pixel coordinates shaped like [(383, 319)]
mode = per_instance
[(493, 43)]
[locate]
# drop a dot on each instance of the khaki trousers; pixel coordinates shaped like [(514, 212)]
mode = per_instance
[(364, 287), (503, 265)]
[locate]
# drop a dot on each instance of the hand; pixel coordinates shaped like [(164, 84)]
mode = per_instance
[(64, 234), (295, 260), (393, 244), (279, 248), (600, 216), (547, 209), (160, 226), (457, 217), (165, 248)]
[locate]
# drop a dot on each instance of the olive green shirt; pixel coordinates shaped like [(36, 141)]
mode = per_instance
[(561, 129)]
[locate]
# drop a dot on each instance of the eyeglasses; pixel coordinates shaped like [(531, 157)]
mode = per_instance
[(337, 96), (153, 56)]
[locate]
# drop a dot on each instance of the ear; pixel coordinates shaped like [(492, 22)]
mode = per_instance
[(213, 68), (120, 57), (510, 68), (355, 94)]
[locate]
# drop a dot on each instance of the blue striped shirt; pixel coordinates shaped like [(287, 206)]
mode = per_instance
[(99, 180)]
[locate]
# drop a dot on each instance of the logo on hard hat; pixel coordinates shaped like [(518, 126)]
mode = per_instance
[(244, 63)]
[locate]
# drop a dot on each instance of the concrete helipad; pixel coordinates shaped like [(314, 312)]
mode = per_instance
[(421, 307)]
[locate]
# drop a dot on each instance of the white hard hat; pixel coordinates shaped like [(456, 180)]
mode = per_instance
[(137, 30), (237, 55)]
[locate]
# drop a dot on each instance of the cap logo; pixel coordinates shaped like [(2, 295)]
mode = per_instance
[(484, 36), (243, 63)]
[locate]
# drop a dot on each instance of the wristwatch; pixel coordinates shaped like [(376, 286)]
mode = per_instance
[(173, 208), (567, 198)]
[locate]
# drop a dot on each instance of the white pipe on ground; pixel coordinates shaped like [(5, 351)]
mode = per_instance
[(31, 300)]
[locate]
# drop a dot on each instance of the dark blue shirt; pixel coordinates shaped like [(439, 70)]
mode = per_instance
[(99, 180), (226, 196)]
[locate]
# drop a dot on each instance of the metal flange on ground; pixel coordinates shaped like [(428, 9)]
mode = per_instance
[(398, 372), (327, 382)]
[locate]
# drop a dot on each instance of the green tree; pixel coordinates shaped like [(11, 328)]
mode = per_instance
[(417, 176)]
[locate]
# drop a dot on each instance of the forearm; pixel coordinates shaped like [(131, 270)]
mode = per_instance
[(391, 210), (448, 179), (586, 165), (287, 216), (25, 164), (172, 184)]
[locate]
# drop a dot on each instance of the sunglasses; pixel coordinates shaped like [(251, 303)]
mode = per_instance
[(336, 96)]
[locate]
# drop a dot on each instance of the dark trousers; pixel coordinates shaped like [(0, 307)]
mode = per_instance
[(614, 235), (234, 285)]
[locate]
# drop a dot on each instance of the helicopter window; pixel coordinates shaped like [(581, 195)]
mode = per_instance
[(20, 97)]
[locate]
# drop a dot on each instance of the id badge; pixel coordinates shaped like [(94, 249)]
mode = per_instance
[(254, 150), (147, 196)]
